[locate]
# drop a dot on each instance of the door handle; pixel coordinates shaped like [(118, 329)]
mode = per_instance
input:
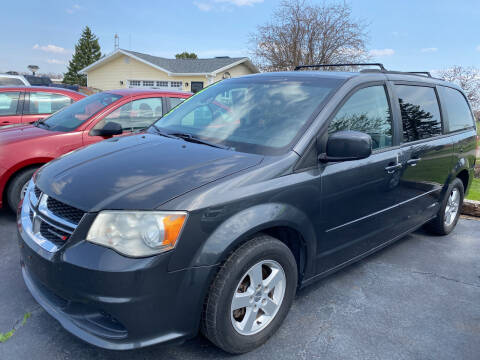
[(413, 162), (392, 168)]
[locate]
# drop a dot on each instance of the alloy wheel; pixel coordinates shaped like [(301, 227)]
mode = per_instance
[(258, 297), (453, 204)]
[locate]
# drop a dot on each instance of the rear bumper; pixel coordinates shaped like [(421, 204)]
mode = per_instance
[(111, 301)]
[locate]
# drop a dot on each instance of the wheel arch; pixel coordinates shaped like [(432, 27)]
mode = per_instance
[(10, 174), (282, 221), (464, 176)]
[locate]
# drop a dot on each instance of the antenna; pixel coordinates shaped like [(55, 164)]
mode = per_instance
[(116, 42)]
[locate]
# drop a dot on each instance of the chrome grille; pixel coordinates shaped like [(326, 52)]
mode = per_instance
[(49, 221), (37, 192), (64, 211), (53, 234)]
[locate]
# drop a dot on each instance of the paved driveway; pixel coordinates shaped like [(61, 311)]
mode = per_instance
[(417, 299)]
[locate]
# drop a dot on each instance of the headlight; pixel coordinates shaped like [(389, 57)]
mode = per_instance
[(137, 233)]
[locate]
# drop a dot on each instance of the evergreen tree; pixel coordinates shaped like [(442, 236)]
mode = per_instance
[(87, 51)]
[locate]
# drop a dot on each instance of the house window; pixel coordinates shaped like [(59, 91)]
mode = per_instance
[(134, 82), (148, 83), (176, 84), (162, 83)]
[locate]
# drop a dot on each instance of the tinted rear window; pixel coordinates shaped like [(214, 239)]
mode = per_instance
[(420, 112), (458, 112)]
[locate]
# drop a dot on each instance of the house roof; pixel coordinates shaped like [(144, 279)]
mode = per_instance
[(210, 66)]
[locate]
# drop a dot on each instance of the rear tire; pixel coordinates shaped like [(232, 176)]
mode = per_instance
[(17, 187), (225, 322), (450, 209)]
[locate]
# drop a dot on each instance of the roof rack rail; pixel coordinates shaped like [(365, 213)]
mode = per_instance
[(417, 73), (420, 73), (382, 68)]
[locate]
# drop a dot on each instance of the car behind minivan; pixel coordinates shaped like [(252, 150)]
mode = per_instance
[(249, 190)]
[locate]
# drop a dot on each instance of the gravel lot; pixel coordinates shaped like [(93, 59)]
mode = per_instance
[(417, 299)]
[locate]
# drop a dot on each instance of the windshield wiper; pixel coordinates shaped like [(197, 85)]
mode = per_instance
[(41, 122), (197, 140), (163, 133)]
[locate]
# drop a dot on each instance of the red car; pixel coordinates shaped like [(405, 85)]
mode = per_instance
[(29, 104), (25, 148)]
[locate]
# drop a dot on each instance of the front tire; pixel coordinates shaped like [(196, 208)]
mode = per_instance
[(251, 295), (449, 212), (17, 187)]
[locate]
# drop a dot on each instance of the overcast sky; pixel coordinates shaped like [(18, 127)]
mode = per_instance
[(405, 35)]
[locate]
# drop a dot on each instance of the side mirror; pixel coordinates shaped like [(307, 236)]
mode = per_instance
[(109, 129), (347, 145)]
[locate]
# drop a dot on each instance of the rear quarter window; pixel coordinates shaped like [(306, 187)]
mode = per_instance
[(459, 115), (420, 112)]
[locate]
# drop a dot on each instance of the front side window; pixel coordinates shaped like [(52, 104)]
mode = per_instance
[(9, 102), (458, 112), (420, 112), (137, 114), (46, 103), (262, 115), (71, 117), (366, 111)]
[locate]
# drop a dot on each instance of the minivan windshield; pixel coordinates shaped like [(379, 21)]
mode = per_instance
[(71, 117), (263, 115)]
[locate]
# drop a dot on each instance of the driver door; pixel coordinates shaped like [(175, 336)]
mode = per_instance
[(361, 198)]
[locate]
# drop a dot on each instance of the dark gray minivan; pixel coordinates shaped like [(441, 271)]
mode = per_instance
[(256, 186)]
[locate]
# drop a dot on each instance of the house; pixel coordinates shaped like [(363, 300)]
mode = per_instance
[(125, 68)]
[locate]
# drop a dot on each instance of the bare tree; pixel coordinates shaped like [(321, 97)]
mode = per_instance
[(468, 78), (301, 33)]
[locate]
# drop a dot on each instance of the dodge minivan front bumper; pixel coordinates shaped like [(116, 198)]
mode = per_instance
[(110, 300)]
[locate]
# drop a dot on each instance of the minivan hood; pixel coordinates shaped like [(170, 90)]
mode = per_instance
[(138, 172)]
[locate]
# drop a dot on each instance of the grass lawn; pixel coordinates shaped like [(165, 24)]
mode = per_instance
[(474, 192), (478, 132)]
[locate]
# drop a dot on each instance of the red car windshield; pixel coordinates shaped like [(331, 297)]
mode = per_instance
[(71, 117)]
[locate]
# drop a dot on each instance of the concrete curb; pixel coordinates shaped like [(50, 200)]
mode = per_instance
[(471, 207)]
